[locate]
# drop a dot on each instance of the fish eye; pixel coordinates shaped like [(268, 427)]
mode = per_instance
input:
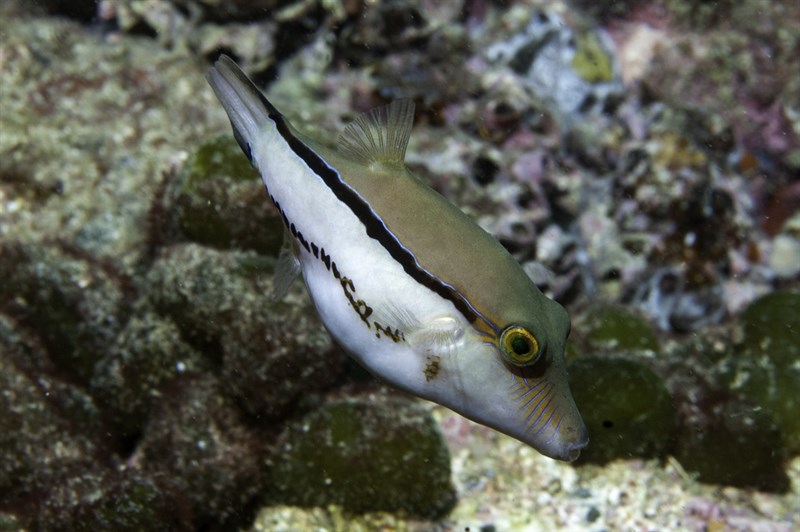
[(519, 346)]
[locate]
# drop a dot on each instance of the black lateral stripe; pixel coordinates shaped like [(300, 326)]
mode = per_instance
[(374, 225)]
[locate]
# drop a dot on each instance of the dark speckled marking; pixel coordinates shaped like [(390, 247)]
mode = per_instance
[(432, 367)]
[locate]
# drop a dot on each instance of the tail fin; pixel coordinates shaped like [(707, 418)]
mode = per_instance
[(247, 108)]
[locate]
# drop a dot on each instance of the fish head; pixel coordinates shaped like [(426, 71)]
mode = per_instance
[(515, 381)]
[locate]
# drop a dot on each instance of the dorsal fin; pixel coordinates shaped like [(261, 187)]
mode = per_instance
[(379, 135)]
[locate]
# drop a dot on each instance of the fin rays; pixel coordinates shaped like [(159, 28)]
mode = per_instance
[(286, 270), (439, 336), (380, 135)]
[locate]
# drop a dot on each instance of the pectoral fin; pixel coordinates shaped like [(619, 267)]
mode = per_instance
[(286, 270), (439, 336)]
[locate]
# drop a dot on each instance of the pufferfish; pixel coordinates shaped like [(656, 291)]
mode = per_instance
[(409, 285)]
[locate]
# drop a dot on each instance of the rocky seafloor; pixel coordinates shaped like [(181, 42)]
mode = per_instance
[(640, 159)]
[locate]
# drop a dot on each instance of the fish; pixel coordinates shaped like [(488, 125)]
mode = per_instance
[(410, 286)]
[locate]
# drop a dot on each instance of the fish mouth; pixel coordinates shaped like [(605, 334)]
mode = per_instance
[(573, 450), (567, 447)]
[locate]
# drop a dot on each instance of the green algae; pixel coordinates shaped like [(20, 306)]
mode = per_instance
[(220, 156), (367, 454), (765, 367), (221, 201), (625, 406), (737, 395), (592, 61), (738, 444), (615, 328), (773, 323), (130, 503), (103, 498)]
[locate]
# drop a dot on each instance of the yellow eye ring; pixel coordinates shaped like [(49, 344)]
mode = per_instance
[(519, 346)]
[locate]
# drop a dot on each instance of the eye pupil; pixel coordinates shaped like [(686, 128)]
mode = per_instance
[(520, 345)]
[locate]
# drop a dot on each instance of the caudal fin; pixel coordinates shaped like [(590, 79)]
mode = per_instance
[(248, 110)]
